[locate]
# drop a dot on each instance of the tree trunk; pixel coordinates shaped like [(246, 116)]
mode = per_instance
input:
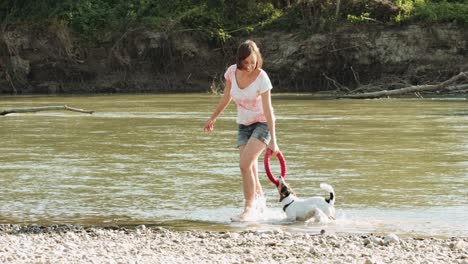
[(412, 89)]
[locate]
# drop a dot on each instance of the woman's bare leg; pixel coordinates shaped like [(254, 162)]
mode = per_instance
[(249, 169), (258, 186)]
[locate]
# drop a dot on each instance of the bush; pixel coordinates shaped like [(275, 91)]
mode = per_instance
[(442, 11), (219, 20)]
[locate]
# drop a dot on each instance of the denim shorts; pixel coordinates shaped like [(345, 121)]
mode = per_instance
[(257, 130)]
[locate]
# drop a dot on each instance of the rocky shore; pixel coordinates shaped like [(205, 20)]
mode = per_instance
[(75, 244)]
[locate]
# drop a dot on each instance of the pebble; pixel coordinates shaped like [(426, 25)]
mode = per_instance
[(391, 238), (458, 245), (74, 244), (250, 259)]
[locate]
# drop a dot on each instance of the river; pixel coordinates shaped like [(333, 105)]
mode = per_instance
[(397, 165)]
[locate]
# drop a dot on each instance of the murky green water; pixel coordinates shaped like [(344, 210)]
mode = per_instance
[(396, 165)]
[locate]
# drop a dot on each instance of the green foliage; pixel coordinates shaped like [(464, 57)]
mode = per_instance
[(17, 11), (442, 11), (362, 18), (309, 16), (220, 20), (214, 19), (88, 16), (406, 8)]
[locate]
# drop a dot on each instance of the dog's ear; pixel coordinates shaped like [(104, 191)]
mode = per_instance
[(290, 190)]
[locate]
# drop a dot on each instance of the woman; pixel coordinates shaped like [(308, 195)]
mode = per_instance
[(249, 86)]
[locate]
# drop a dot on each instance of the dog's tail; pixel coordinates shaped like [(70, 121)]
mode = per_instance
[(329, 189)]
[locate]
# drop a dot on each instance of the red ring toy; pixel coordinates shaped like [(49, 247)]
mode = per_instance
[(282, 162)]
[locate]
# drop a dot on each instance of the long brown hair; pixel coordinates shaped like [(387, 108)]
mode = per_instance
[(245, 49)]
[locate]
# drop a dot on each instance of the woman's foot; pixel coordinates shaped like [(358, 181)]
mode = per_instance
[(253, 211), (247, 215)]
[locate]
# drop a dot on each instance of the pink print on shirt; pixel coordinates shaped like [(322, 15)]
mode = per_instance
[(249, 104)]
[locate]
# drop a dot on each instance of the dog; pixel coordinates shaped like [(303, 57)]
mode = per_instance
[(318, 208)]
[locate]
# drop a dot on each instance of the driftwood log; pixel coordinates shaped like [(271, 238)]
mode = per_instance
[(448, 85), (44, 108)]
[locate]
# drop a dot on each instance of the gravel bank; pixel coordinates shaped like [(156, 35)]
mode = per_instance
[(74, 244)]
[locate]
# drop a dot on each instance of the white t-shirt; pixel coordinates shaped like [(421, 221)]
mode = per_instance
[(249, 100)]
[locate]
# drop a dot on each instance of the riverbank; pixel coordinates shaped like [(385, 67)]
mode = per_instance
[(360, 58), (75, 244)]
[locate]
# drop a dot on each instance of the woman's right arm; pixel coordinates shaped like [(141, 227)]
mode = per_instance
[(223, 103)]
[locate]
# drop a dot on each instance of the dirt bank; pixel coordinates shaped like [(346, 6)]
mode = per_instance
[(51, 61)]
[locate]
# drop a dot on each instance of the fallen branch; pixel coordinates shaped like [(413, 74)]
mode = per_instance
[(412, 89), (44, 108), (355, 76), (338, 85), (461, 87)]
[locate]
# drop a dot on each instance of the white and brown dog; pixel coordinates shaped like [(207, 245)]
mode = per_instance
[(318, 208)]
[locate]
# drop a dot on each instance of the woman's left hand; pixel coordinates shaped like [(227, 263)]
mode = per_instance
[(273, 146)]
